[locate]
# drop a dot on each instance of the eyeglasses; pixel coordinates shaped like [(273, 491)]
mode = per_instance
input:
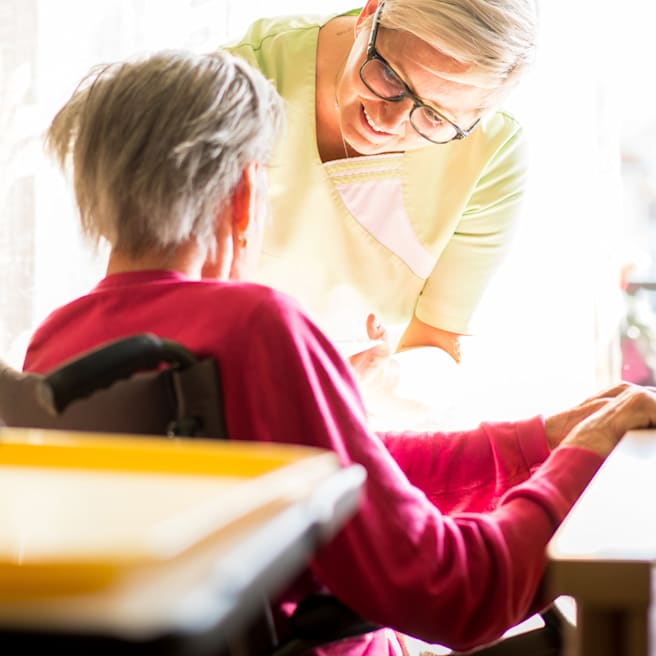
[(383, 81)]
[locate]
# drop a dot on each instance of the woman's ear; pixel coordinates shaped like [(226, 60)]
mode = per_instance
[(368, 10), (246, 223), (231, 224), (243, 200)]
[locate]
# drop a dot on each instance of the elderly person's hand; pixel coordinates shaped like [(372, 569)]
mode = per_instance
[(600, 421)]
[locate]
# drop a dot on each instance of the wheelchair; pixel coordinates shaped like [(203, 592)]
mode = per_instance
[(145, 385)]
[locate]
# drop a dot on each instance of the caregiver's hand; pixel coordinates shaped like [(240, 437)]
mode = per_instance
[(372, 361)]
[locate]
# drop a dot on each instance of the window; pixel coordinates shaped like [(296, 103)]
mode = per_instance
[(547, 329)]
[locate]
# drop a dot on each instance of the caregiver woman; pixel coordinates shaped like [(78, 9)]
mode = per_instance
[(396, 187)]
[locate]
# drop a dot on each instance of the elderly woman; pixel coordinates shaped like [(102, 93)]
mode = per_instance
[(168, 157), (398, 184)]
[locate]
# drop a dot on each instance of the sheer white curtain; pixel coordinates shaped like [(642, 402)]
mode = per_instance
[(545, 329)]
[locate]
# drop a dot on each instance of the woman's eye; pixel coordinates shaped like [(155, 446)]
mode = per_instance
[(391, 80), (432, 118)]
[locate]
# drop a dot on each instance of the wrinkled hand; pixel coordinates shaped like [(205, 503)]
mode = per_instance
[(372, 361), (600, 421)]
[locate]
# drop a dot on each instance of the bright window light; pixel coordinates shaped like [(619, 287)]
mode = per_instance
[(546, 332)]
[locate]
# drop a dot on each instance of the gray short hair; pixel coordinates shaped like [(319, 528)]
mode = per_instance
[(497, 38), (157, 145)]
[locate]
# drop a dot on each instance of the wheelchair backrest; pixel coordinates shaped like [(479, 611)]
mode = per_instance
[(139, 384)]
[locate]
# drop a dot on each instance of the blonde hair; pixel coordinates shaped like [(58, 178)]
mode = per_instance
[(157, 145), (495, 38)]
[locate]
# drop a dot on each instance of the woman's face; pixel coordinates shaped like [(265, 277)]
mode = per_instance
[(371, 125)]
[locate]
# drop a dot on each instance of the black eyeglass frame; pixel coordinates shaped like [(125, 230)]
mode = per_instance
[(372, 54)]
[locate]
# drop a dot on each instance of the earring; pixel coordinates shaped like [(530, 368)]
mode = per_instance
[(242, 240)]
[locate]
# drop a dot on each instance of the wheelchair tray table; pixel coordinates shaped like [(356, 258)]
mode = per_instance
[(150, 542)]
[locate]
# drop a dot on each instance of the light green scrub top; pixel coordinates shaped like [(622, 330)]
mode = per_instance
[(419, 232)]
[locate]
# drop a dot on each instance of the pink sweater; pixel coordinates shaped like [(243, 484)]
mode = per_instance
[(449, 543)]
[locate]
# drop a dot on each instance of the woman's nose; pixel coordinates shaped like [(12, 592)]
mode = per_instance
[(395, 114)]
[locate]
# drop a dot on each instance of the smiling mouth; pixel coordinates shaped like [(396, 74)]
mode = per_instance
[(372, 125)]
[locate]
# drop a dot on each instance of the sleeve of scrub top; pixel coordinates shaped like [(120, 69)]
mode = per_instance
[(479, 243)]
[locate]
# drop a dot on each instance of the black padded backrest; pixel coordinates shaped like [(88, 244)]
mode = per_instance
[(139, 384)]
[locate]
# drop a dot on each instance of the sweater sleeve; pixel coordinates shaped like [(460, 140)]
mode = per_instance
[(460, 579), (469, 471)]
